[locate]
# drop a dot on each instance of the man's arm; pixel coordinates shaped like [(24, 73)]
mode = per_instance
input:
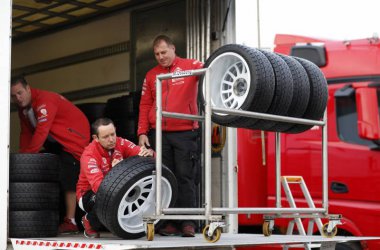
[(146, 104), (90, 167), (45, 115), (130, 149), (25, 134)]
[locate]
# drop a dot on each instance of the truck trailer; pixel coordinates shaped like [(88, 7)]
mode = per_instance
[(352, 71)]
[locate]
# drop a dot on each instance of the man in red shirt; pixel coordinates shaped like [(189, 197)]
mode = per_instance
[(179, 138), (104, 152), (49, 120)]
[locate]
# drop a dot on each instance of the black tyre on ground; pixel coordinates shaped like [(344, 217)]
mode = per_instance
[(127, 193), (31, 224), (34, 168), (240, 78), (33, 196)]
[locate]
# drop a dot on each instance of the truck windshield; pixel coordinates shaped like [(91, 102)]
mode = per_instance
[(347, 118)]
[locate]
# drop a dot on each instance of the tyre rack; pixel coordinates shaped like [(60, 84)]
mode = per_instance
[(215, 216)]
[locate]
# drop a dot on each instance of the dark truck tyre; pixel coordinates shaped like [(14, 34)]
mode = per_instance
[(92, 111), (301, 93), (127, 193), (318, 95), (33, 196), (32, 224), (34, 168), (241, 78), (283, 93)]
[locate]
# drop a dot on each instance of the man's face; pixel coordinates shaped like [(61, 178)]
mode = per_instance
[(164, 54), (106, 136), (21, 95)]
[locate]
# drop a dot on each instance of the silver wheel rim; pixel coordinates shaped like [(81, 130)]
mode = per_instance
[(230, 81), (139, 201)]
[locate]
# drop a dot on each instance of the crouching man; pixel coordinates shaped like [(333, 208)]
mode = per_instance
[(104, 152)]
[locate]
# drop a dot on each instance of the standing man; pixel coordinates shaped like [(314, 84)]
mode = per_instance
[(49, 120), (104, 152), (179, 137)]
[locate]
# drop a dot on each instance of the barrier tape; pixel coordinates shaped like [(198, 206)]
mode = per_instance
[(55, 244)]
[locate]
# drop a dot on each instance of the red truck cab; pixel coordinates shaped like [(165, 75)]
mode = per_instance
[(352, 70)]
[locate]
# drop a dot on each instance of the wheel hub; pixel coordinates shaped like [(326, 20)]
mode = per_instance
[(240, 87), (133, 194)]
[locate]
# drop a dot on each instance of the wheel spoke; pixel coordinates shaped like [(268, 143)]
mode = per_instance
[(229, 83), (227, 91), (139, 201), (231, 75), (238, 69), (230, 98), (234, 104)]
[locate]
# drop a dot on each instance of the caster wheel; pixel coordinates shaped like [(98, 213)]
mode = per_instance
[(329, 234), (150, 231), (267, 231), (215, 236)]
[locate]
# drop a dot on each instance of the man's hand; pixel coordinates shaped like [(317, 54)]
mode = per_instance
[(145, 152), (115, 161), (144, 141)]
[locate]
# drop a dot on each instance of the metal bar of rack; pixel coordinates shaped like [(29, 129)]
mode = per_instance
[(209, 213)]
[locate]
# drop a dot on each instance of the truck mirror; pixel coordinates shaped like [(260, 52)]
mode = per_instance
[(313, 53), (367, 105)]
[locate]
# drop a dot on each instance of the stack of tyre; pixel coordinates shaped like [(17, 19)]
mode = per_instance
[(33, 195), (249, 79), (92, 110), (123, 111)]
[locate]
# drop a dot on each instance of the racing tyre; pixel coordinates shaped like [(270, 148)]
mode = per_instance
[(127, 193), (123, 106), (24, 196), (34, 168), (32, 224), (241, 78), (283, 91), (318, 95), (301, 93), (92, 111)]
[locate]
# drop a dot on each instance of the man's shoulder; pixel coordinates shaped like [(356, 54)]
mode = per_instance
[(41, 96), (190, 63), (90, 150)]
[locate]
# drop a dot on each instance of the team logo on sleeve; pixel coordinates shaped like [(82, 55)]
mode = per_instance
[(92, 166), (42, 115)]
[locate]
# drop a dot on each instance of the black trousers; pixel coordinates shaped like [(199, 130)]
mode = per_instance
[(88, 202), (181, 155)]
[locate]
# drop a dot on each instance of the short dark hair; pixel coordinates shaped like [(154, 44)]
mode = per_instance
[(104, 121), (164, 38), (19, 79)]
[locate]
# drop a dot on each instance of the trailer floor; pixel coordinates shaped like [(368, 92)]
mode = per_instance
[(227, 241)]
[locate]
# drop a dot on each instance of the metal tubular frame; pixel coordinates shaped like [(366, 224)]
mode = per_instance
[(209, 213)]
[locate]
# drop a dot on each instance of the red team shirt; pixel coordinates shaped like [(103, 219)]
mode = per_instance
[(178, 95), (96, 162), (57, 117)]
